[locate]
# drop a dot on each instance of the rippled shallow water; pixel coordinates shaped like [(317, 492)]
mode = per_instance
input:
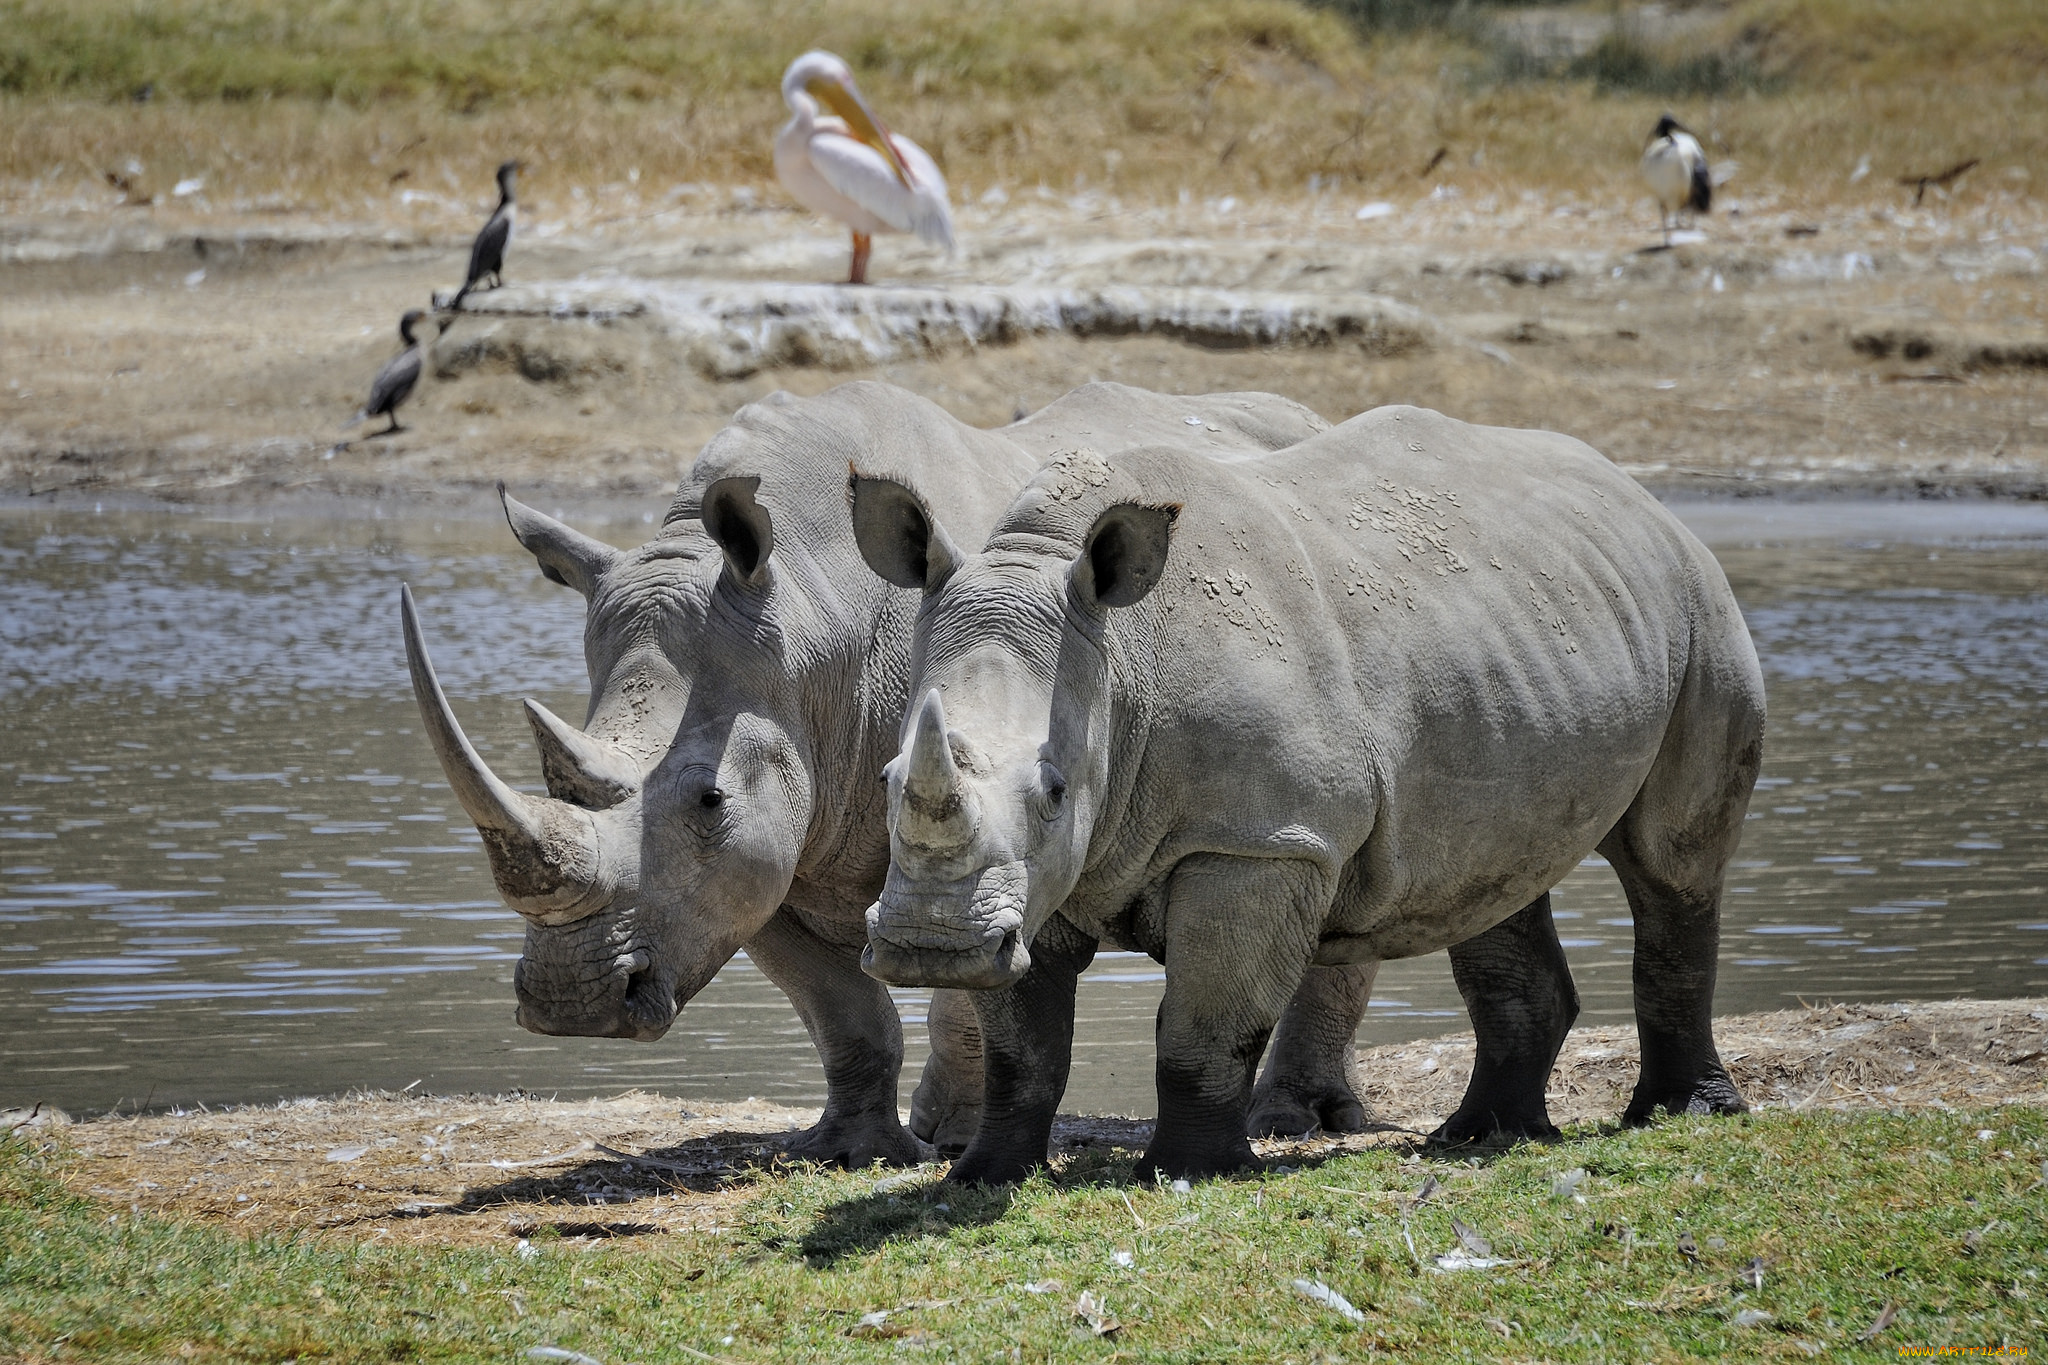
[(229, 870)]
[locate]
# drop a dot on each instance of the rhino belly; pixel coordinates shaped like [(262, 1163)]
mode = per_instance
[(1431, 919), (1456, 859)]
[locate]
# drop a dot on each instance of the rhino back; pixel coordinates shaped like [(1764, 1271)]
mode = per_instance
[(801, 448), (1111, 418), (1449, 652)]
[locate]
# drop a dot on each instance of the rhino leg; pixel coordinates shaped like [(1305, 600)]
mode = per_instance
[(1239, 936), (1027, 1033), (1678, 937), (1671, 850), (1518, 989), (1312, 1079), (854, 1026), (946, 1108)]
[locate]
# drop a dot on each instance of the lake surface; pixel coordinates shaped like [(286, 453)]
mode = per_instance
[(229, 870)]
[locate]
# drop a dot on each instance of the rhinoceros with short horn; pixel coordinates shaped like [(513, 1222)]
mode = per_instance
[(1363, 698), (745, 640)]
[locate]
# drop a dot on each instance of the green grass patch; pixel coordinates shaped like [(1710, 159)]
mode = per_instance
[(1843, 1215)]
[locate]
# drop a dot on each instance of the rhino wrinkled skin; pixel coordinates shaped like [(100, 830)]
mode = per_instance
[(747, 679), (1364, 698)]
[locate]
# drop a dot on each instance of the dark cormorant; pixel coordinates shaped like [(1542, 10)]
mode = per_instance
[(487, 255), (394, 383)]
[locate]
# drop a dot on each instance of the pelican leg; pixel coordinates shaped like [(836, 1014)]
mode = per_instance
[(861, 244)]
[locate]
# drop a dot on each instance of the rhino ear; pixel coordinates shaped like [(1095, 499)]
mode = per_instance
[(1124, 555), (740, 525), (898, 536), (566, 555)]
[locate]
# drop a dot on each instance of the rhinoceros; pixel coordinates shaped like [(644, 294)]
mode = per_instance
[(1363, 698), (746, 651)]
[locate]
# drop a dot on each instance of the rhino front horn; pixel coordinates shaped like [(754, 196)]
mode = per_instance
[(934, 814), (545, 854)]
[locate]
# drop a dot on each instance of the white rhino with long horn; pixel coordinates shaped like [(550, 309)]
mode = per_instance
[(1363, 698), (745, 664)]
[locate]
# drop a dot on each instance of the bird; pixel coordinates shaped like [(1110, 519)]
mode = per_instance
[(487, 253), (1676, 168), (394, 383), (846, 165)]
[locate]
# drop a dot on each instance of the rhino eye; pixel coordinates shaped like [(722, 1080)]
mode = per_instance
[(712, 799), (1054, 783)]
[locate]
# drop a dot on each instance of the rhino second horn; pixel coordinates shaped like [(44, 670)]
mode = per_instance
[(545, 854), (578, 769), (934, 813)]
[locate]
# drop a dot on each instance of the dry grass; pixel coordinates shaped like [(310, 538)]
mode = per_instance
[(1935, 48), (322, 108)]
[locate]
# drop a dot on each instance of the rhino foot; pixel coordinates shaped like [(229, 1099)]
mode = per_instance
[(856, 1143), (993, 1168), (1190, 1161), (1489, 1127), (1281, 1110), (1712, 1093)]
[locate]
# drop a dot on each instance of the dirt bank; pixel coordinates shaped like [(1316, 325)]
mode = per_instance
[(484, 1169), (166, 353)]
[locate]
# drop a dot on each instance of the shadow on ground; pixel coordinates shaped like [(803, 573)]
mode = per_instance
[(613, 1180), (1085, 1153)]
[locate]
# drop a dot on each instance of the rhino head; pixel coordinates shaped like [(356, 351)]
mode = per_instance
[(1004, 769), (684, 697)]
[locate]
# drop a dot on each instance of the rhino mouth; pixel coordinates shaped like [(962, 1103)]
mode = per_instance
[(967, 934), (990, 970), (632, 1001)]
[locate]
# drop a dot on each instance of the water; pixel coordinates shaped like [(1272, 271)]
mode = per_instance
[(229, 870)]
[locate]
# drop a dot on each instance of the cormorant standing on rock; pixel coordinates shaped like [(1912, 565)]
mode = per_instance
[(487, 255), (394, 383), (1676, 168)]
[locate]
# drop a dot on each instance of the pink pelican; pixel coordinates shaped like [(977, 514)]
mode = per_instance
[(846, 165)]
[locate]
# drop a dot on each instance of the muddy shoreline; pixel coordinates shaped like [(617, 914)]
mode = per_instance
[(178, 358), (476, 1170)]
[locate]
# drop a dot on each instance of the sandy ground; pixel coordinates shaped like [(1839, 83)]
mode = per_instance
[(174, 352), (487, 1169)]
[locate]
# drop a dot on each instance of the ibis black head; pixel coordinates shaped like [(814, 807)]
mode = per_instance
[(408, 322), (506, 170), (1668, 125)]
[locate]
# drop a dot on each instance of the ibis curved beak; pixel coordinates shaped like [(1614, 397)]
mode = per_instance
[(846, 102)]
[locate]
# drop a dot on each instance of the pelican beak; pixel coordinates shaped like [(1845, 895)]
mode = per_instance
[(846, 102)]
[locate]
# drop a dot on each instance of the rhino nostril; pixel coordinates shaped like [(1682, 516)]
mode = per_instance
[(633, 967), (640, 999)]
